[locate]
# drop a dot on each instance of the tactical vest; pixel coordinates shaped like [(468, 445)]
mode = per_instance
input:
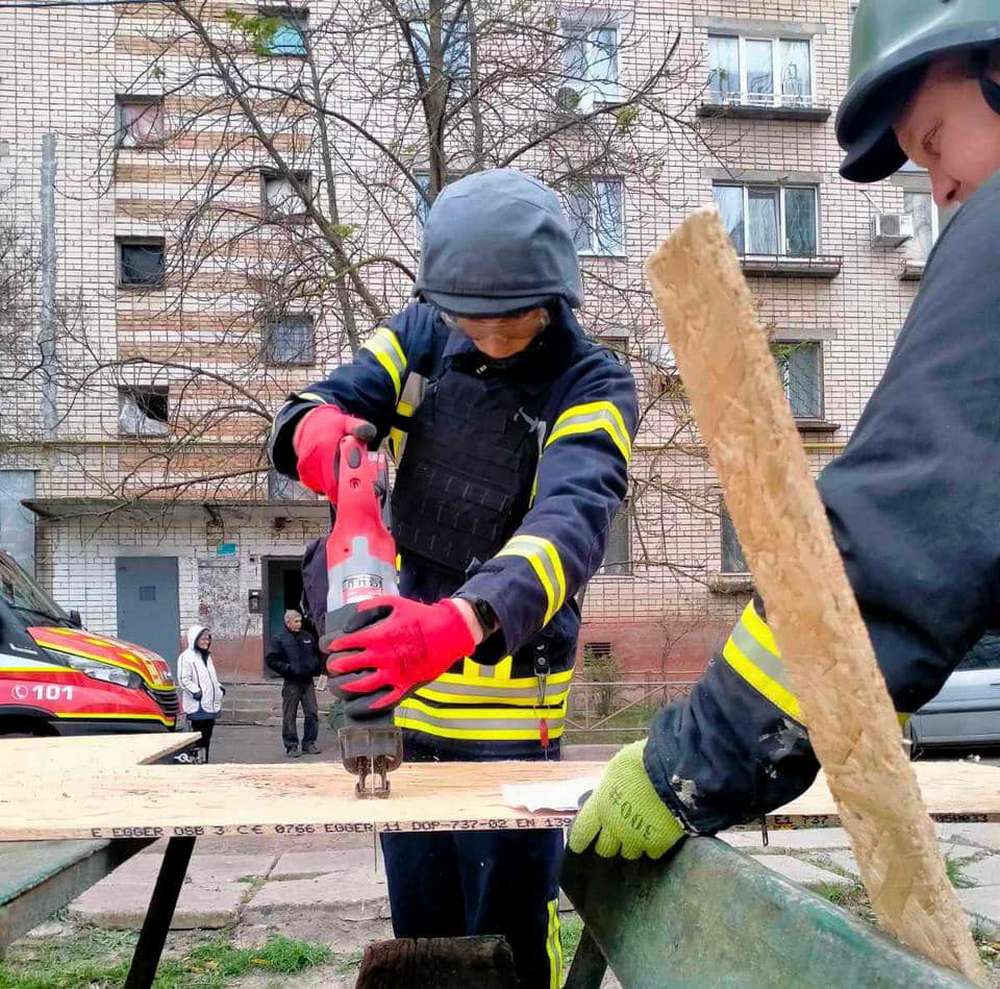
[(470, 452)]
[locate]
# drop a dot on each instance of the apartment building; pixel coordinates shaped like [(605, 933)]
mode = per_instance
[(201, 244)]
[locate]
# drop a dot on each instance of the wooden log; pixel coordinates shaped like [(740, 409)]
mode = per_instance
[(731, 380), (444, 963)]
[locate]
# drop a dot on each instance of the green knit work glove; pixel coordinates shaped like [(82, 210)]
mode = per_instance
[(625, 812)]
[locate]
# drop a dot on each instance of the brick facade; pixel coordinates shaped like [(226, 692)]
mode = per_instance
[(61, 70)]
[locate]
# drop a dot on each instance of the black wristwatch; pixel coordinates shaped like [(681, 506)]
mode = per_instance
[(485, 615)]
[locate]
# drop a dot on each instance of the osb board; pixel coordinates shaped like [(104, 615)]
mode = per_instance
[(306, 799), (86, 753)]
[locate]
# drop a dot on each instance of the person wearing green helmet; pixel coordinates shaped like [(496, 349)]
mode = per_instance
[(912, 501)]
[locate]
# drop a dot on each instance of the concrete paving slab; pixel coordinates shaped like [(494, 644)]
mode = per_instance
[(985, 872), (983, 903), (124, 906), (844, 861), (980, 835), (359, 897), (308, 865), (210, 868), (801, 872), (781, 839)]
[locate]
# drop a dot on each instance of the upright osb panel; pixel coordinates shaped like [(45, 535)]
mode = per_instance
[(732, 383)]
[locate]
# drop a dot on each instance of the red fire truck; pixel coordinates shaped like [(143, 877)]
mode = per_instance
[(56, 678)]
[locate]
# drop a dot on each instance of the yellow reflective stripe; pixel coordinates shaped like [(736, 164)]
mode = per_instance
[(759, 629), (544, 560), (484, 724), (752, 652), (553, 945), (590, 417), (387, 351), (404, 408), (472, 672), (397, 439), (480, 695), (783, 699), (903, 719)]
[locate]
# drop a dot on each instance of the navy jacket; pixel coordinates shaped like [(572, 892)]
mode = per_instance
[(914, 503)]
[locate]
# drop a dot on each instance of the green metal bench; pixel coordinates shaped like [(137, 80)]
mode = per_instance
[(709, 916)]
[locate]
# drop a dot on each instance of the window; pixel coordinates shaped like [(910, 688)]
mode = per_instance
[(929, 220), (280, 198), (800, 365), (984, 655), (141, 262), (421, 207), (733, 560), (595, 216), (452, 44), (618, 554), (281, 488), (289, 37), (770, 220), (590, 62), (141, 121), (143, 410), (760, 71), (290, 339)]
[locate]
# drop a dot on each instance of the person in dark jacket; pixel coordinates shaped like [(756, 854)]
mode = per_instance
[(913, 501), (294, 656), (512, 434)]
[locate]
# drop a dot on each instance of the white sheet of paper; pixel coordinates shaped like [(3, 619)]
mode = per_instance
[(561, 796)]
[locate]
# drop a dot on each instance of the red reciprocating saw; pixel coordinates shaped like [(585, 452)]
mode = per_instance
[(361, 564)]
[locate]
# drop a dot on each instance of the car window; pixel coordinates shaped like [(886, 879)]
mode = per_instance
[(984, 655)]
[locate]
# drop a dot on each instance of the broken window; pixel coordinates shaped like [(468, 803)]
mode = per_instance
[(141, 262), (143, 410)]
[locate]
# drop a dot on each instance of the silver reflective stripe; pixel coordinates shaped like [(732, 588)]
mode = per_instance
[(763, 658), (413, 391), (406, 713)]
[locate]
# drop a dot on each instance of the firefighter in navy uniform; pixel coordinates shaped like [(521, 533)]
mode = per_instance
[(913, 501), (512, 434)]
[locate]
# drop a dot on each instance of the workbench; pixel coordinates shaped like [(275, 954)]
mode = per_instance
[(87, 804)]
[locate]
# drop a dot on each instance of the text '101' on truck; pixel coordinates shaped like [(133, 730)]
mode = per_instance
[(56, 678)]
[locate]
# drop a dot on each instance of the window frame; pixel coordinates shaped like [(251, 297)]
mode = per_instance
[(619, 568), (594, 219), (295, 490), (817, 345), (130, 392), (122, 242), (593, 90), (136, 99), (297, 17), (778, 99), (781, 188), (267, 340), (726, 525)]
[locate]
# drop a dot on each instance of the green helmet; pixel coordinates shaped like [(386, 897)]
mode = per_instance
[(891, 48)]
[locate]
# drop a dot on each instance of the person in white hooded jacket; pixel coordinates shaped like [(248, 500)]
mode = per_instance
[(201, 691)]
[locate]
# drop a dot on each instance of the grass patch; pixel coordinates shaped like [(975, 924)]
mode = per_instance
[(101, 959), (570, 932), (348, 963), (956, 877), (628, 726)]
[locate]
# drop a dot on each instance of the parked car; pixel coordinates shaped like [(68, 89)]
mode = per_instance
[(57, 678), (966, 711)]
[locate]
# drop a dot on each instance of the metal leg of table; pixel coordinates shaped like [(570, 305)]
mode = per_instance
[(589, 965), (160, 913)]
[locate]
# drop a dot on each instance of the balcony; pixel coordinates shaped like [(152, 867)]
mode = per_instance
[(912, 270), (763, 106), (823, 266)]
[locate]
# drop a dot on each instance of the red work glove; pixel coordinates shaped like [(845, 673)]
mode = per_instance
[(316, 441), (398, 644)]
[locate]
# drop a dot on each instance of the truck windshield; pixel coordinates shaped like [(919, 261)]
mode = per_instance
[(19, 591)]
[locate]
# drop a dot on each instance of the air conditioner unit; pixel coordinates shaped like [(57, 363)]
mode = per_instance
[(891, 229)]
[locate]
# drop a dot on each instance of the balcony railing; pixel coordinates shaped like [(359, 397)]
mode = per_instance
[(792, 266), (764, 106)]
